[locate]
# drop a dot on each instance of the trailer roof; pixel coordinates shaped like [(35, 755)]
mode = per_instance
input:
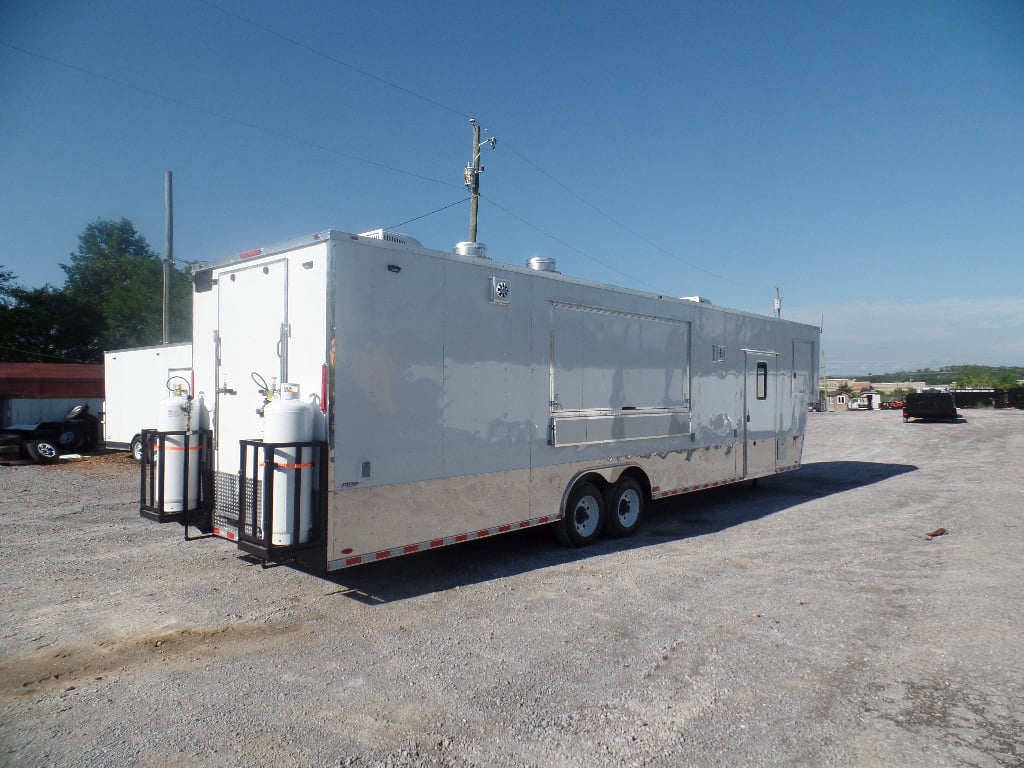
[(328, 235)]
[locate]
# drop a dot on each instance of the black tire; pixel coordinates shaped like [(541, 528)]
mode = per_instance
[(584, 516), (624, 507), (43, 451), (136, 448), (77, 412), (70, 439)]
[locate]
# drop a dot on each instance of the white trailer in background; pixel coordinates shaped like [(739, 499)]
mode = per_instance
[(450, 397), (135, 381)]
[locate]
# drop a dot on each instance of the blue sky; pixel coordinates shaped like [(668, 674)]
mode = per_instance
[(866, 158)]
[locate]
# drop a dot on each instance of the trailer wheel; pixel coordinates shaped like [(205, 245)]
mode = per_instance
[(136, 448), (584, 516), (624, 507), (42, 451)]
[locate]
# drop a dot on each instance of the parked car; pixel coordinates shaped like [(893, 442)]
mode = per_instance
[(930, 405), (45, 442)]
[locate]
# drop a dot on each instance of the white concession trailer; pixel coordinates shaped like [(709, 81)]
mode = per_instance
[(360, 397), (133, 380)]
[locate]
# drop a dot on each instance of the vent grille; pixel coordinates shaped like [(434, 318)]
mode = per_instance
[(501, 291)]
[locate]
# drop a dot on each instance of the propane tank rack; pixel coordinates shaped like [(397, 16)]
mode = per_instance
[(155, 497), (280, 483)]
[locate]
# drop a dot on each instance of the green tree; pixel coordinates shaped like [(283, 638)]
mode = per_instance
[(6, 285), (116, 274), (1004, 380), (112, 298), (971, 377), (46, 325)]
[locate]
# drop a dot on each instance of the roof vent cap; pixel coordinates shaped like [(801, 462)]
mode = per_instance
[(467, 248), (542, 264)]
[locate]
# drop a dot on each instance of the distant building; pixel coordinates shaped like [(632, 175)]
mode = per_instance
[(35, 392)]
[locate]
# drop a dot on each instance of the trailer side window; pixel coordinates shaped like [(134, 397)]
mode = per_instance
[(762, 381)]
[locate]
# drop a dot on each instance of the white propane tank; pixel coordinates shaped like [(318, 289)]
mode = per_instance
[(289, 420), (174, 417)]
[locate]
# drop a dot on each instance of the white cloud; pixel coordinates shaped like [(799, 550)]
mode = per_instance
[(877, 337)]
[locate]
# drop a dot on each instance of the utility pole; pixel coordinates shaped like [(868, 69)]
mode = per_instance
[(472, 177), (778, 303), (168, 251)]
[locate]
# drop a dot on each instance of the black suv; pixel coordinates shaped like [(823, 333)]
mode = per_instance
[(930, 405)]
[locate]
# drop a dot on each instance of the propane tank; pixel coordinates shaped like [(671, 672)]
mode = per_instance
[(289, 420), (175, 416)]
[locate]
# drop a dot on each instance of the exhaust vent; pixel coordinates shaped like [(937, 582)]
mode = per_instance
[(391, 237), (541, 264), (501, 291), (467, 248)]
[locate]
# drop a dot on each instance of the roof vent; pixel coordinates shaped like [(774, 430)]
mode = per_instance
[(541, 264), (467, 248), (391, 237)]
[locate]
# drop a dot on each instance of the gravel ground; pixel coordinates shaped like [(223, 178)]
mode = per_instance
[(807, 621)]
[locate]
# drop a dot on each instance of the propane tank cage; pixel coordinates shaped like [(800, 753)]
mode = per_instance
[(255, 531), (153, 483)]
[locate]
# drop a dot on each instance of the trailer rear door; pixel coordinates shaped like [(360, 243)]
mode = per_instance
[(252, 345)]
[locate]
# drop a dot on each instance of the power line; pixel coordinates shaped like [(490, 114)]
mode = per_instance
[(219, 115), (440, 105), (621, 225), (384, 166), (535, 228), (431, 213), (333, 59)]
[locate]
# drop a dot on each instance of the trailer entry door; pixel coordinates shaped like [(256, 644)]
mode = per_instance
[(759, 398), (252, 325)]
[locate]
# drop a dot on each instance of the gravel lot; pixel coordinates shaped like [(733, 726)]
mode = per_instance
[(807, 621)]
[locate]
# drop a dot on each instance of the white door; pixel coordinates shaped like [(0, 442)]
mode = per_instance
[(759, 398), (253, 348)]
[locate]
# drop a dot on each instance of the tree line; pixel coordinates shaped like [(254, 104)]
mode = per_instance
[(968, 376), (112, 298)]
